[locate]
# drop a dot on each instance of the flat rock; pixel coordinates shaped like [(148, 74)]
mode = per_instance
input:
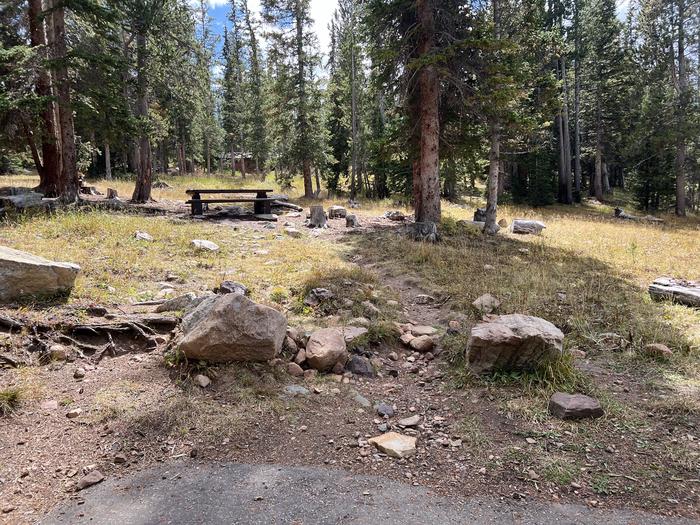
[(394, 444), (294, 370), (513, 342), (296, 390), (232, 287), (292, 232), (411, 421), (574, 406), (325, 348), (353, 332), (384, 409), (231, 327), (205, 245), (423, 330), (143, 236), (23, 274)]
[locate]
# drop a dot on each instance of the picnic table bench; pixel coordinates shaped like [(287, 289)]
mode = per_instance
[(262, 204)]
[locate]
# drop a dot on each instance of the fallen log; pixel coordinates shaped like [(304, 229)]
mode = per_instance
[(621, 214), (9, 323), (524, 227), (675, 290), (288, 205)]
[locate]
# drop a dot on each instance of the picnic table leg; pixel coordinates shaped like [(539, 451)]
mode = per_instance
[(196, 206), (262, 207)]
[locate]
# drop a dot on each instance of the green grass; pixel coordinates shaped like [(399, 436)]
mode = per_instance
[(9, 400)]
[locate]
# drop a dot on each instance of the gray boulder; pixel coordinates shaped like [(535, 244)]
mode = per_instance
[(231, 327), (337, 212), (183, 302), (574, 406), (513, 342), (24, 274), (325, 348)]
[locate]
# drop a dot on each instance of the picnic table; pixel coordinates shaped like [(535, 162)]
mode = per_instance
[(262, 204)]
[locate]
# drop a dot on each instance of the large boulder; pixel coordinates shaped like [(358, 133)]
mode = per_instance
[(513, 342), (231, 327), (325, 348), (24, 274)]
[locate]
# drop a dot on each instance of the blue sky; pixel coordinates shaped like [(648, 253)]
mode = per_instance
[(321, 12)]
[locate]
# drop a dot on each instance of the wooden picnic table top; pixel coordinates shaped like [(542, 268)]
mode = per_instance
[(213, 201), (190, 192)]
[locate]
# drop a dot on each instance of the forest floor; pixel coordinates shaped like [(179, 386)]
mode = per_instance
[(587, 273)]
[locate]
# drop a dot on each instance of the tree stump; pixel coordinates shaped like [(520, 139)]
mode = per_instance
[(424, 232), (112, 193), (318, 217), (351, 221)]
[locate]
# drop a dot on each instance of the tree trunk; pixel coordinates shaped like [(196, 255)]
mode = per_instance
[(49, 166), (29, 135), (569, 198), (69, 186), (429, 85), (302, 109), (108, 162), (606, 178), (577, 104), (353, 106), (598, 175), (681, 109), (142, 190), (490, 225)]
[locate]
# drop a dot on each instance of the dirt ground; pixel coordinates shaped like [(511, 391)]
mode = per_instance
[(482, 438)]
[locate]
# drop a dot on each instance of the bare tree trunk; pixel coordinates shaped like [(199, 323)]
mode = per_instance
[(490, 226), (681, 131), (206, 140), (569, 198), (577, 103), (302, 116), (606, 178), (598, 175), (353, 104), (429, 85), (142, 190), (69, 185), (29, 135), (49, 166), (108, 162)]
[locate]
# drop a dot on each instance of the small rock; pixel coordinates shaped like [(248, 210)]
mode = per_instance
[(202, 380), (201, 244), (353, 332), (394, 444), (72, 414), (232, 287), (658, 351), (93, 478), (360, 366), (576, 406), (6, 509), (294, 370), (423, 330), (50, 404), (317, 296), (370, 310), (58, 352), (310, 375), (79, 373), (424, 299), (296, 390), (351, 221), (300, 357), (362, 401), (489, 267), (359, 321), (395, 216), (411, 421), (337, 212), (486, 303), (393, 356), (120, 459), (143, 236), (292, 232), (407, 338), (422, 344), (384, 409)]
